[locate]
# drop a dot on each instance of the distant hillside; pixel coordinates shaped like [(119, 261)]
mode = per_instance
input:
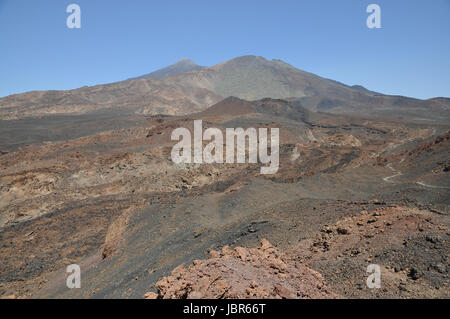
[(233, 106)]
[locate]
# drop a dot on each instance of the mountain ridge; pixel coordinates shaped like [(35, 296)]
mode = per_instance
[(185, 87), (181, 66)]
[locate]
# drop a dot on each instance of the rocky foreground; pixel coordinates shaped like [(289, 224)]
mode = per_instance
[(261, 272), (410, 246)]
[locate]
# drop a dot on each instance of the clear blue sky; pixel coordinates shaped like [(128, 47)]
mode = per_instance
[(409, 55)]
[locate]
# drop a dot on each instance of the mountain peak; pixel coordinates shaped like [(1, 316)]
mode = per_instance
[(181, 66), (247, 59), (185, 61)]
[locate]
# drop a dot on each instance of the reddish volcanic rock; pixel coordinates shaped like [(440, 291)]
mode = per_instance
[(243, 273)]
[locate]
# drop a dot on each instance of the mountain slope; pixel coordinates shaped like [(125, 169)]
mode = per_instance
[(254, 78), (184, 65), (170, 92)]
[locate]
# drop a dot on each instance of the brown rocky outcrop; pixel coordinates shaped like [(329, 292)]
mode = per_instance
[(261, 272)]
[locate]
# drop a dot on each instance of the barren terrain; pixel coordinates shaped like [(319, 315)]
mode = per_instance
[(96, 186)]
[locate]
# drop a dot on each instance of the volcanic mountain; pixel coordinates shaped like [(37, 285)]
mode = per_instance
[(187, 88)]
